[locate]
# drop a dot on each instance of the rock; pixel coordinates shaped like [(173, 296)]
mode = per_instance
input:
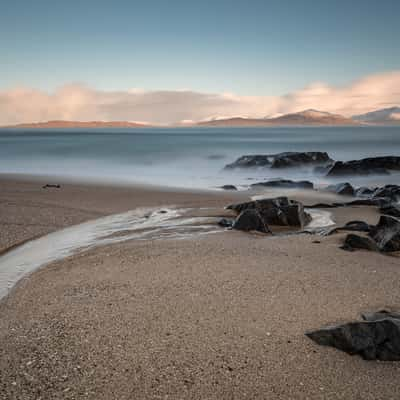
[(387, 233), (322, 169), (49, 185), (357, 226), (295, 159), (229, 187), (391, 192), (363, 192), (365, 166), (225, 223), (284, 183), (372, 340), (353, 242), (377, 202), (390, 209), (276, 211), (281, 160), (344, 189), (250, 220), (378, 315)]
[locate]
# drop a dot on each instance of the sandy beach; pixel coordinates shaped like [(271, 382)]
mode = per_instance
[(218, 316)]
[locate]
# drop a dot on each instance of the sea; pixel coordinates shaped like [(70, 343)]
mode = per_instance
[(187, 157)]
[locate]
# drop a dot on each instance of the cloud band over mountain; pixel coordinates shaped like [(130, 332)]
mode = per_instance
[(78, 102)]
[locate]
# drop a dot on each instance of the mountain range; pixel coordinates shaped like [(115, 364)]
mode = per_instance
[(385, 116)]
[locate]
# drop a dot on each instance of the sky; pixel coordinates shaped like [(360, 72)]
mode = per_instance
[(219, 53)]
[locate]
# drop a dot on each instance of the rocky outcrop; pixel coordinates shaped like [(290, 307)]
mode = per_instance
[(391, 192), (365, 166), (284, 184), (250, 220), (387, 233), (391, 209), (281, 160), (344, 189), (276, 211), (376, 339)]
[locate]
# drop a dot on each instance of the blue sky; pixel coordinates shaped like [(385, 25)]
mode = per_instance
[(246, 47)]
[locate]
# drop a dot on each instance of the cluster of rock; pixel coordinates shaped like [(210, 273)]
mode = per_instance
[(282, 160), (377, 337), (258, 215), (321, 161)]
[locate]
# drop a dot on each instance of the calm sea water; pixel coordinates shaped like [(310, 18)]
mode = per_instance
[(183, 157)]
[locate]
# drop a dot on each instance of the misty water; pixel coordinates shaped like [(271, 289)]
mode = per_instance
[(184, 157)]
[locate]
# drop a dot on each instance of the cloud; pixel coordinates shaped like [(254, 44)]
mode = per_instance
[(78, 102)]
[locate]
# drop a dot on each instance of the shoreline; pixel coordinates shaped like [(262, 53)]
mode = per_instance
[(214, 316)]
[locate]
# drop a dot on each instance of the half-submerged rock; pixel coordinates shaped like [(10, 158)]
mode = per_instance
[(281, 160), (378, 339), (283, 184), (365, 166), (276, 211)]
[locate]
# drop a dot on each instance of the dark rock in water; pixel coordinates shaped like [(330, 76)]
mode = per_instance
[(378, 315), (284, 183), (250, 220), (391, 192), (281, 160), (391, 209), (365, 166), (276, 211), (225, 223), (387, 233), (353, 242), (372, 340), (49, 185), (363, 192), (344, 189), (229, 187)]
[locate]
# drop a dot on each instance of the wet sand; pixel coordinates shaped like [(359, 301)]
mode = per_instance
[(220, 316)]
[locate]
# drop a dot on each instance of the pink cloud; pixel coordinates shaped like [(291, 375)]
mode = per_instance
[(78, 102)]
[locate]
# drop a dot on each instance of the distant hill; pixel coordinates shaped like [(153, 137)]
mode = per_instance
[(237, 121), (80, 124), (386, 116), (307, 118)]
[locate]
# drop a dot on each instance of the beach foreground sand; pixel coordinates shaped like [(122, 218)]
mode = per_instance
[(220, 316)]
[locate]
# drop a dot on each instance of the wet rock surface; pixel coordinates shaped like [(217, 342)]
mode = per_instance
[(375, 338), (250, 220), (276, 211)]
